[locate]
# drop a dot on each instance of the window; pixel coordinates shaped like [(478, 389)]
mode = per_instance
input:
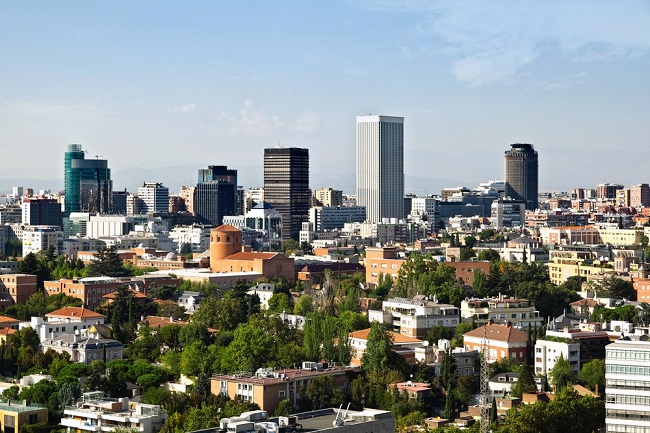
[(282, 394)]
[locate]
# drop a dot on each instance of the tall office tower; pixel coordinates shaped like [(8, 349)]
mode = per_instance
[(213, 200), (627, 377), (88, 185), (286, 186), (380, 166), (119, 202), (154, 196), (220, 172), (521, 174), (41, 212)]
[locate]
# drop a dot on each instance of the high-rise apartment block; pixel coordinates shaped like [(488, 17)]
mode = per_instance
[(88, 185), (286, 186), (521, 174), (41, 211), (607, 191), (640, 195), (154, 196), (329, 197), (380, 166)]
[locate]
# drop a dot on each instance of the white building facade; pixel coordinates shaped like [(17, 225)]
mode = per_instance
[(627, 389), (380, 166)]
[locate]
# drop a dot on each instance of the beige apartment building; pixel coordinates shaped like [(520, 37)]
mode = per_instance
[(268, 387), (502, 310), (16, 289)]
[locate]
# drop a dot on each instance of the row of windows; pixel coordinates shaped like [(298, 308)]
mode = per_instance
[(628, 384), (618, 428), (637, 370), (635, 415), (636, 400), (634, 355)]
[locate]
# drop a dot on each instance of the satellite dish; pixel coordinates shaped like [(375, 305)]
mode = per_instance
[(425, 343)]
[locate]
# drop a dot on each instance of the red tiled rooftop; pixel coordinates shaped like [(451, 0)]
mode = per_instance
[(249, 255), (7, 319), (397, 338), (135, 293), (226, 228), (74, 312), (499, 332)]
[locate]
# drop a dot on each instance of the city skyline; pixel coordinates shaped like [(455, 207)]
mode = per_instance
[(162, 91)]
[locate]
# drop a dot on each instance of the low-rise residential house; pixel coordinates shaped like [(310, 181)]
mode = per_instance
[(268, 387), (518, 312), (503, 341), (414, 317), (414, 390), (264, 291), (404, 345), (94, 412), (190, 301), (84, 348), (501, 384)]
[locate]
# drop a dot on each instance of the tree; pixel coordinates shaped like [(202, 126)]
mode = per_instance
[(185, 249), (252, 347), (193, 359), (592, 374), (526, 382), (304, 305), (280, 302), (378, 348), (562, 374), (285, 408), (450, 406), (614, 287), (489, 255), (447, 370), (106, 263)]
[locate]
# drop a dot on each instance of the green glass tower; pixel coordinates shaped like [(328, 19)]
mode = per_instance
[(88, 185)]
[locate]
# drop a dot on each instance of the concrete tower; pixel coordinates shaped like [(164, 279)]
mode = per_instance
[(225, 240), (380, 166), (521, 174)]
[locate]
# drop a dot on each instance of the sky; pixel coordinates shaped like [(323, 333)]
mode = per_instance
[(162, 88)]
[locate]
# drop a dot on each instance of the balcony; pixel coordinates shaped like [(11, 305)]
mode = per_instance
[(84, 425)]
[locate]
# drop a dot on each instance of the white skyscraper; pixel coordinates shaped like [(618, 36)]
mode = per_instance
[(380, 166)]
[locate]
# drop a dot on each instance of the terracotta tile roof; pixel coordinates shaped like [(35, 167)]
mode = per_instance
[(135, 293), (397, 338), (7, 319), (7, 331), (158, 321), (226, 228), (589, 302), (74, 312), (500, 333), (249, 255)]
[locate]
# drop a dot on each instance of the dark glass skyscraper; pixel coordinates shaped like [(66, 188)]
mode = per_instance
[(88, 185), (286, 186), (215, 194), (521, 174), (223, 173)]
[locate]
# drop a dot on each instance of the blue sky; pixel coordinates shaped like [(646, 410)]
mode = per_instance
[(161, 88)]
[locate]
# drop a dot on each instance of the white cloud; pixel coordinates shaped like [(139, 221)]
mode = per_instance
[(492, 41), (254, 121), (184, 109), (307, 122)]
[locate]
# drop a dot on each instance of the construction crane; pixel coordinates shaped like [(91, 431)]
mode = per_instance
[(484, 398)]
